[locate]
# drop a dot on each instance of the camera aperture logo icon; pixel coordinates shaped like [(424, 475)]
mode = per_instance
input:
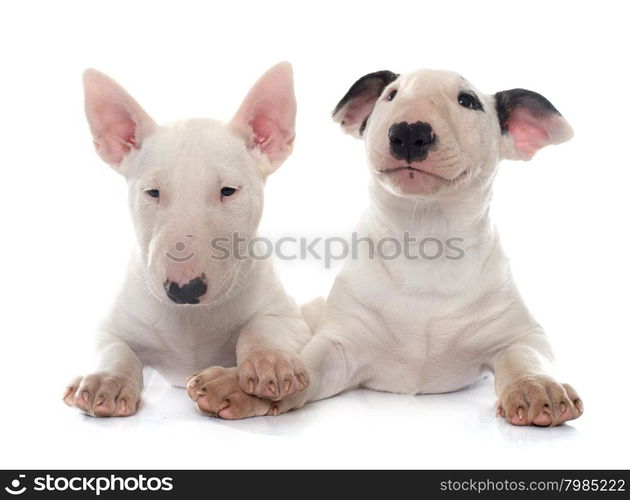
[(15, 489), (180, 248)]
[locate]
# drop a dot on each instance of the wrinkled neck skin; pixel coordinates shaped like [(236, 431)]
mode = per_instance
[(463, 214), (471, 259)]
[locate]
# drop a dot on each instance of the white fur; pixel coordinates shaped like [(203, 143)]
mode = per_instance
[(245, 310), (428, 326)]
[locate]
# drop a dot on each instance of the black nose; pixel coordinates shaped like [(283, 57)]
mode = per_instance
[(187, 294), (410, 141)]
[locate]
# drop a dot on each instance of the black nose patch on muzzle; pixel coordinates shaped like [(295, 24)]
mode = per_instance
[(410, 141), (187, 294)]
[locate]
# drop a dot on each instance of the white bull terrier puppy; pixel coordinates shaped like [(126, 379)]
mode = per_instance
[(432, 325), (180, 310)]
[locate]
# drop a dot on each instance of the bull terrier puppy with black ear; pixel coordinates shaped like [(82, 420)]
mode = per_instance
[(419, 325), (180, 310)]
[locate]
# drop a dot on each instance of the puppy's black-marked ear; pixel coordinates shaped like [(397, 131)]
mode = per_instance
[(528, 123), (354, 109)]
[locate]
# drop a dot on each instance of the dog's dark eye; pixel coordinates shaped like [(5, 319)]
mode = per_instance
[(391, 95), (227, 191), (469, 101), (153, 193)]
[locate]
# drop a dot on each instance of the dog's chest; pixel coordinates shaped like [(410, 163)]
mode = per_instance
[(182, 344), (435, 322), (429, 352)]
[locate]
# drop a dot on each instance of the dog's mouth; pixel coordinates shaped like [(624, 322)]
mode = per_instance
[(413, 171)]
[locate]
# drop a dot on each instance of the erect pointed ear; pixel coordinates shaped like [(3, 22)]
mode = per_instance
[(116, 120), (356, 106), (267, 115), (528, 123)]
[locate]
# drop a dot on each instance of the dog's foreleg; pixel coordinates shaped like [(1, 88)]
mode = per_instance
[(331, 371), (268, 355), (527, 393), (269, 369), (113, 389)]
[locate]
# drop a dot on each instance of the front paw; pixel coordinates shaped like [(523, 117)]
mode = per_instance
[(272, 375), (539, 400), (104, 395), (218, 393)]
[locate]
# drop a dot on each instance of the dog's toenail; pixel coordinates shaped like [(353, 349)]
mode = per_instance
[(225, 404), (251, 385), (520, 413), (272, 387), (563, 407)]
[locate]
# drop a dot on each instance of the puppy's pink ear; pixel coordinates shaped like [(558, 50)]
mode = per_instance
[(266, 117), (529, 122), (354, 109), (116, 120)]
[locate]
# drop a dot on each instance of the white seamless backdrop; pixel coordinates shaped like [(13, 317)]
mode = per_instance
[(66, 233)]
